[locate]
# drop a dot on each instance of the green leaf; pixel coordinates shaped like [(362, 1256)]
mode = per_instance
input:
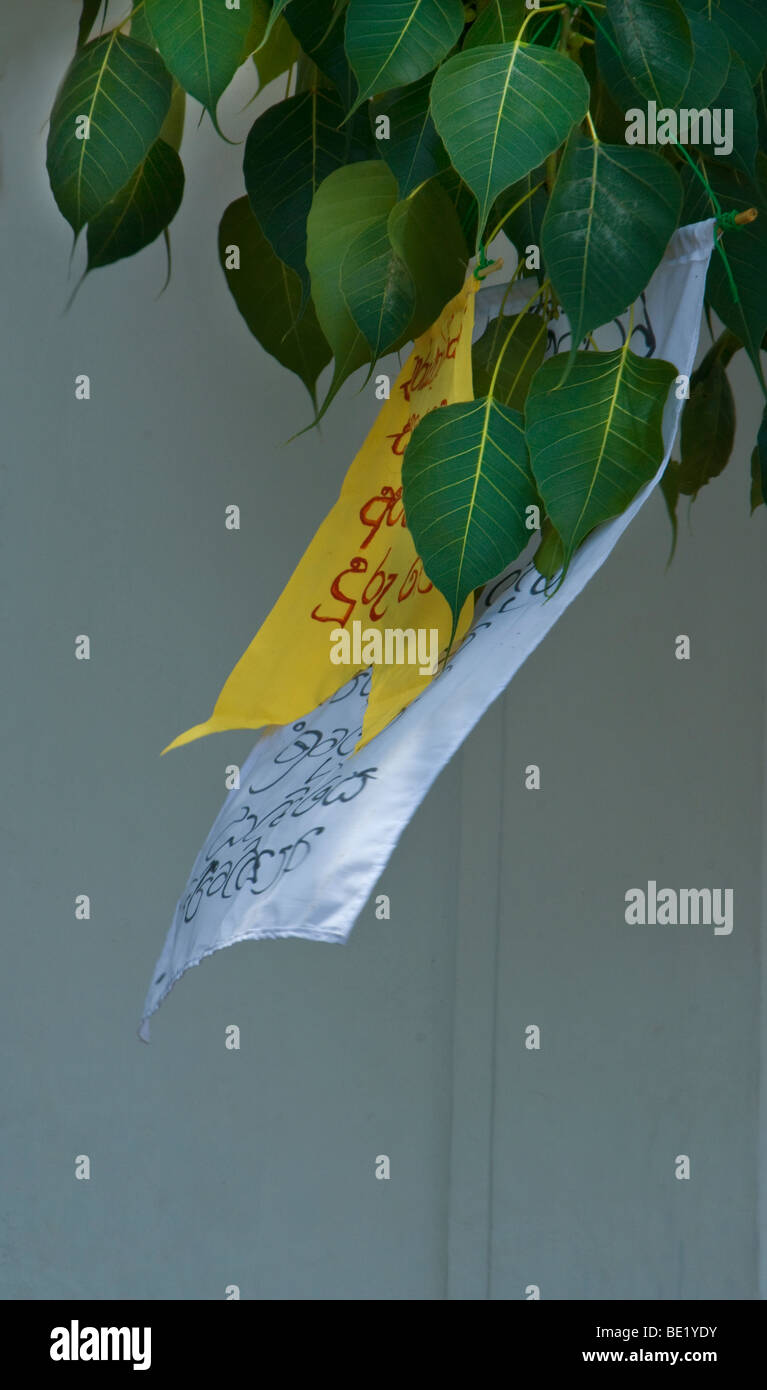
[(522, 226), (499, 22), (596, 439), (466, 482), (746, 250), (711, 60), (414, 151), (140, 211), (737, 96), (744, 22), (346, 202), (173, 126), (708, 424), (710, 63), (609, 220), (124, 89), (140, 27), (260, 11), (760, 95), (201, 42), (274, 16), (319, 27), (550, 555), (759, 467), (268, 295), (669, 486), (88, 16), (502, 110), (291, 148), (277, 56), (520, 361), (392, 44), (378, 288), (757, 481), (463, 201), (656, 46), (436, 263)]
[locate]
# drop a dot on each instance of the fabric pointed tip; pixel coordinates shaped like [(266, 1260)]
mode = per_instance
[(190, 735), (143, 1033), (218, 725)]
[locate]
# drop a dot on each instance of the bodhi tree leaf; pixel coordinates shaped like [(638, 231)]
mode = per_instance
[(201, 42), (744, 22), (656, 46), (140, 28), (760, 95), (274, 15), (711, 58), (413, 151), (346, 202), (378, 288), (757, 481), (519, 213), (260, 11), (746, 250), (606, 228), (596, 439), (291, 148), (759, 466), (277, 56), (708, 425), (737, 96), (669, 486), (499, 22), (172, 131), (319, 27), (140, 211), (525, 339), (268, 295), (88, 15), (550, 555), (502, 110), (710, 63), (437, 264), (116, 93), (466, 483), (463, 201), (393, 44)]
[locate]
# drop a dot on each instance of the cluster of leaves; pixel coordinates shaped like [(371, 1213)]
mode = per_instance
[(411, 133)]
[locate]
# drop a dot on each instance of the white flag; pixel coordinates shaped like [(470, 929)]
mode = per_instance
[(297, 848)]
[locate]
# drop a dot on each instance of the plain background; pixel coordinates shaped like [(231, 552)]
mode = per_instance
[(212, 1167)]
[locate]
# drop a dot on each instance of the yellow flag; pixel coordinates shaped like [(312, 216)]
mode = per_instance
[(359, 596)]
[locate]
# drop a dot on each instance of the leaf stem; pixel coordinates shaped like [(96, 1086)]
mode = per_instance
[(131, 15), (544, 9), (509, 335), (517, 205)]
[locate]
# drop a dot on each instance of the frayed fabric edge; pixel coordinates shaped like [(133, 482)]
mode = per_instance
[(327, 938)]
